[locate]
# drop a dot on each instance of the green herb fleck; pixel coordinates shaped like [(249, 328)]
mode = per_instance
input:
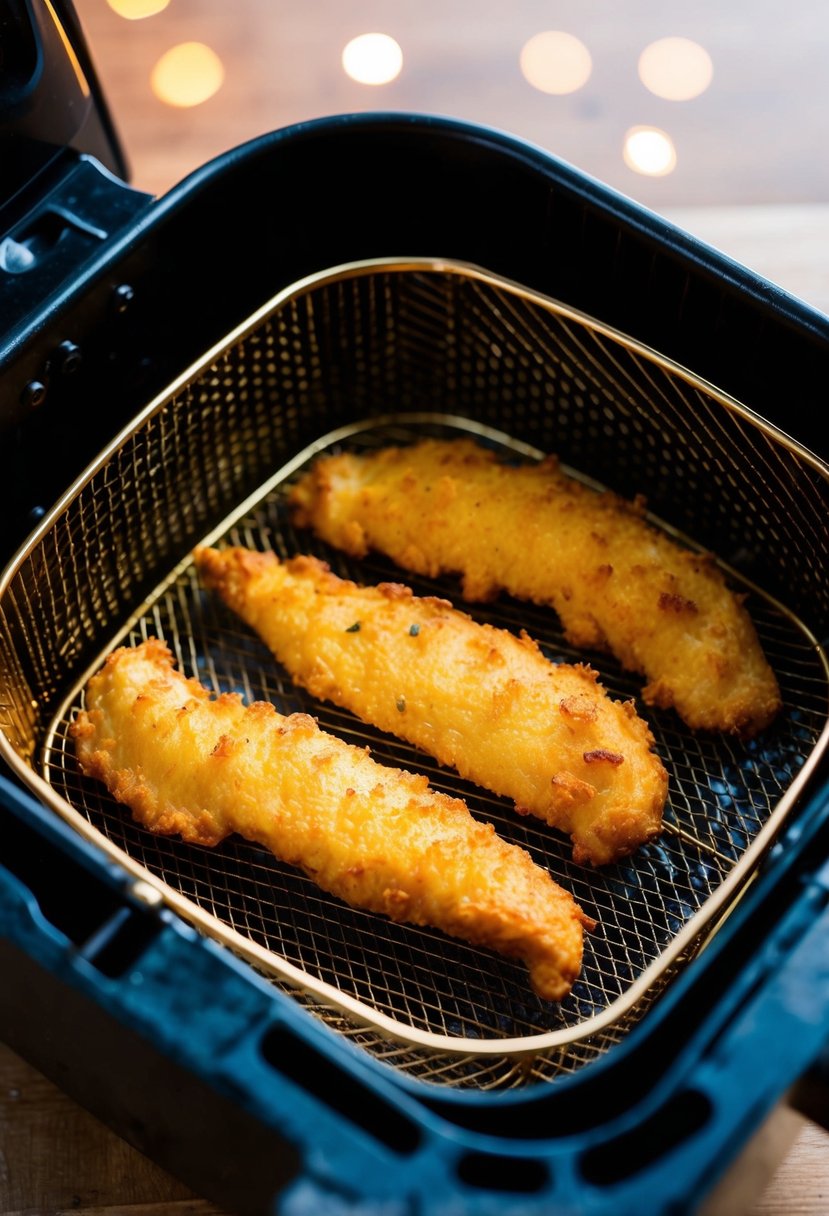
[(414, 630), (401, 704), (355, 628)]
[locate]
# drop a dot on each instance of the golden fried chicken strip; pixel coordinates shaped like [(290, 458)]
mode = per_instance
[(450, 506), (375, 837), (477, 698)]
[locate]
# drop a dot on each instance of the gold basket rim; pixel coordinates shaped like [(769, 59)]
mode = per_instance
[(148, 888)]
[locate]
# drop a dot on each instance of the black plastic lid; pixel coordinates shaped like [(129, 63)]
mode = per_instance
[(50, 100)]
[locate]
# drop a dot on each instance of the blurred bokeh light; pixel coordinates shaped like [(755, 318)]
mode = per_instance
[(372, 59), (555, 62), (649, 151), (136, 10), (676, 69), (739, 90), (187, 75)]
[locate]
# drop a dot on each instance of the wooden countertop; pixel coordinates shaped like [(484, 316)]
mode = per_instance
[(54, 1157)]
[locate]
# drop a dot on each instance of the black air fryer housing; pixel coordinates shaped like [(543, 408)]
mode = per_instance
[(106, 296)]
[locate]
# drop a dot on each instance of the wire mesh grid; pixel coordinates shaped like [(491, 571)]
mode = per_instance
[(721, 794), (457, 342)]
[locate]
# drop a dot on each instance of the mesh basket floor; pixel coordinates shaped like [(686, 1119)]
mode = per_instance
[(721, 793)]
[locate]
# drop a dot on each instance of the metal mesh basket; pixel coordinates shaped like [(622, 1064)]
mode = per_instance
[(321, 367)]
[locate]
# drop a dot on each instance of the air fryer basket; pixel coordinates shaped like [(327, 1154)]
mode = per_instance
[(386, 352)]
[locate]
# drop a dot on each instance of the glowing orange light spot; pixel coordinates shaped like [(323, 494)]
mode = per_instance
[(675, 68), (187, 75), (372, 59), (650, 151), (136, 10), (555, 62)]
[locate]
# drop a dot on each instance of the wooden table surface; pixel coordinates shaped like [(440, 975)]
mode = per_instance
[(54, 1157)]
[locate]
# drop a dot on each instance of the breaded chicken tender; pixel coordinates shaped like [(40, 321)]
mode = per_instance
[(477, 698), (616, 582), (190, 765)]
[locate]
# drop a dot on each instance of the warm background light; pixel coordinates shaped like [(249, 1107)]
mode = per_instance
[(187, 75), (675, 68), (135, 10), (650, 151), (372, 59), (750, 137), (555, 62)]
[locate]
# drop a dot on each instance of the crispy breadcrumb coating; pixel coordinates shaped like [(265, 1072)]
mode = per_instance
[(616, 582), (190, 765), (477, 698)]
